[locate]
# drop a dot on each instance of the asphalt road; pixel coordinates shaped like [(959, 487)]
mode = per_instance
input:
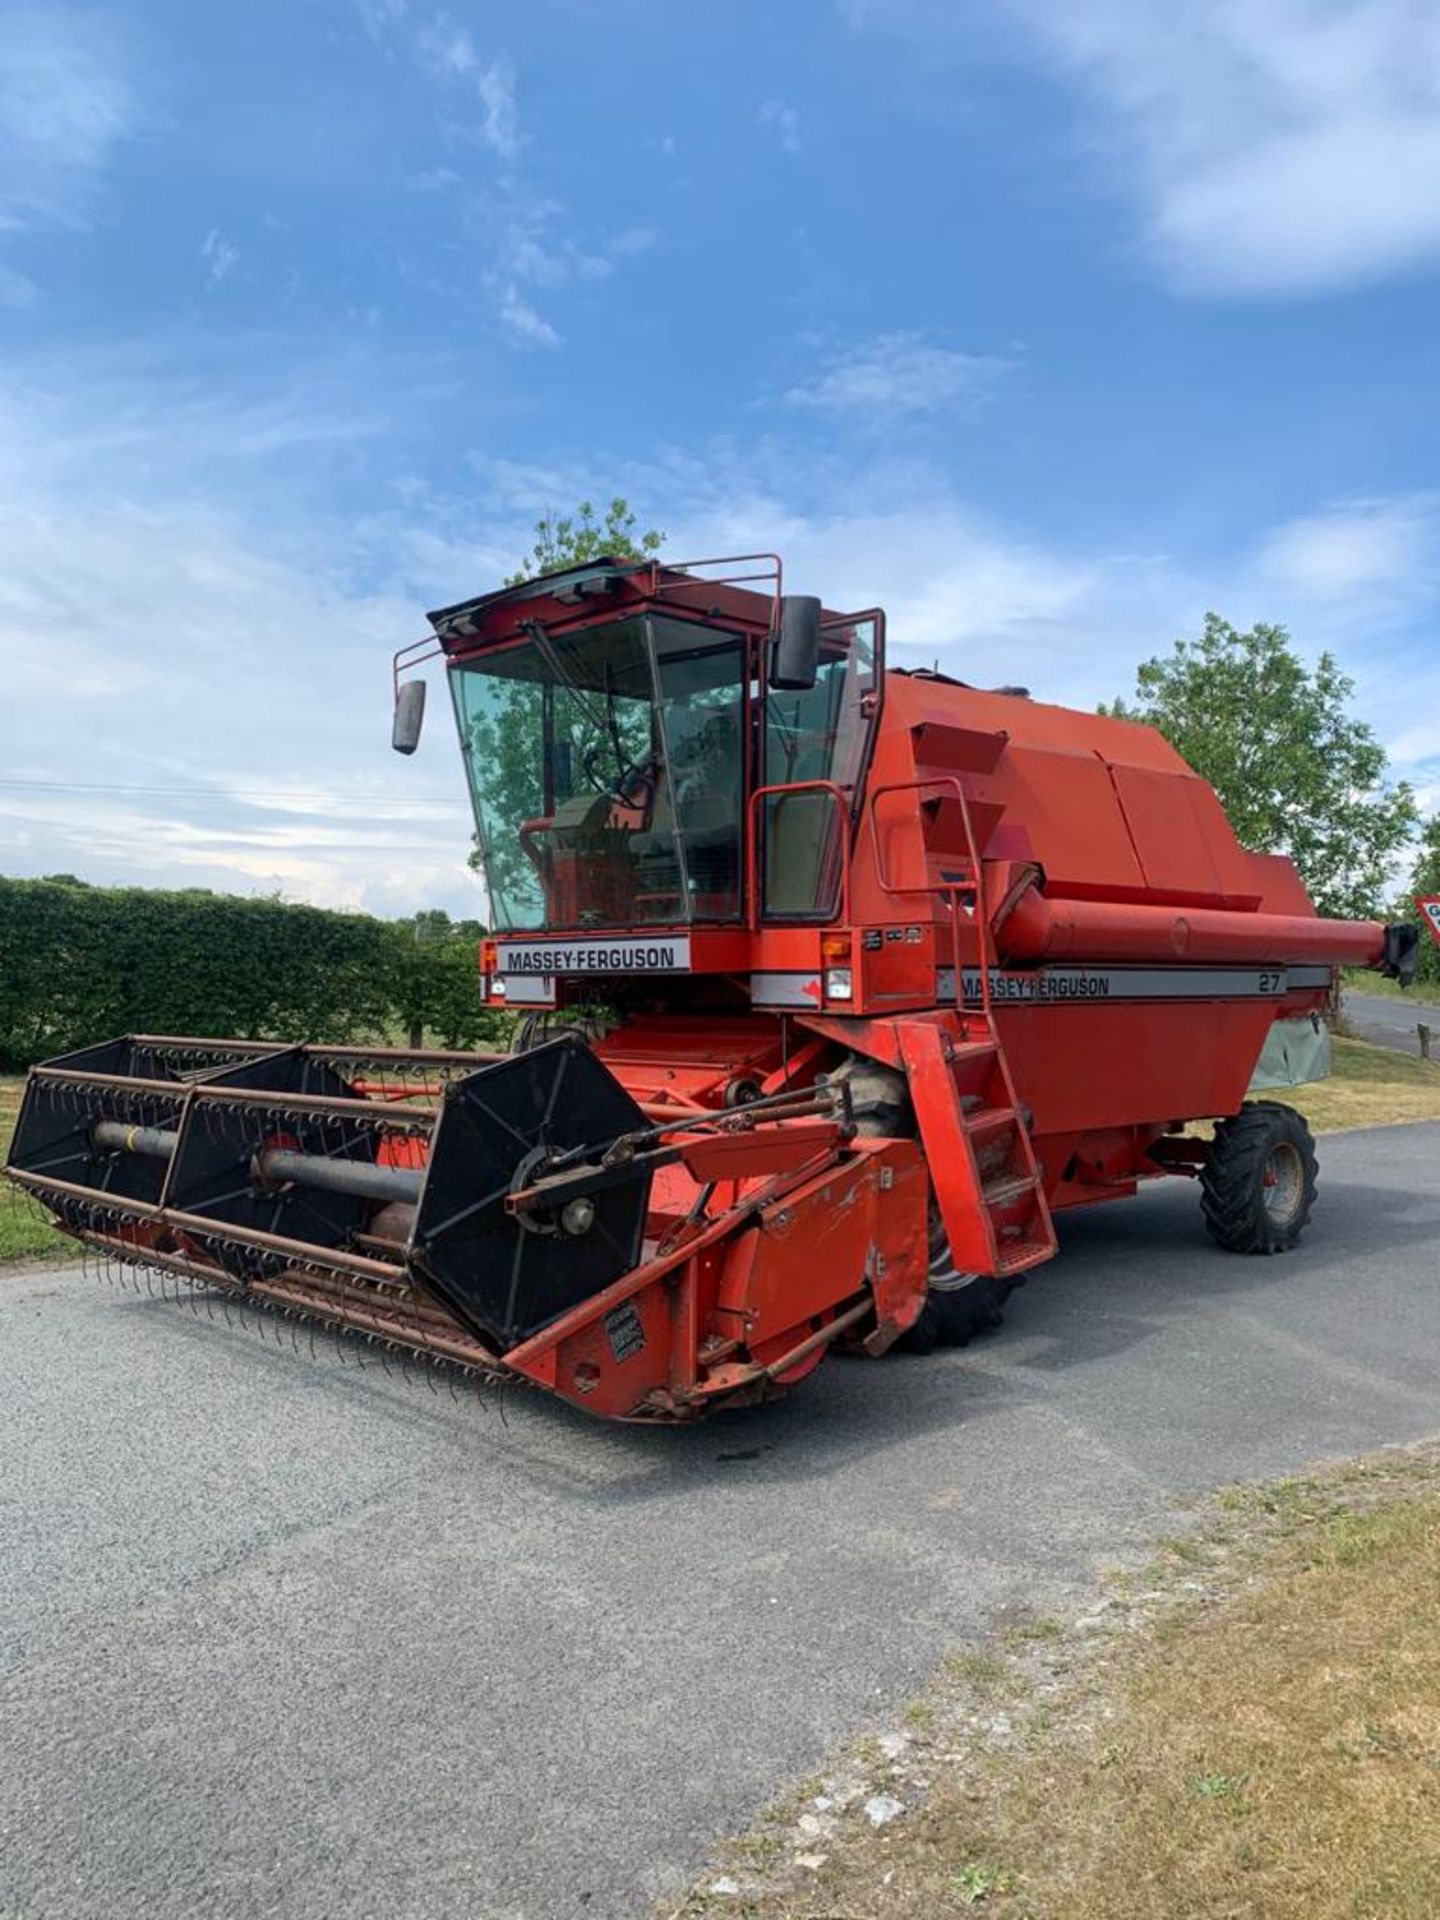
[(1391, 1023), (280, 1638)]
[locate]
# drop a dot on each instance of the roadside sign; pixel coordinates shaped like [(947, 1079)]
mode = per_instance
[(1429, 905)]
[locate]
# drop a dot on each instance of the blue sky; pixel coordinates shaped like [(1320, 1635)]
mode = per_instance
[(1046, 326)]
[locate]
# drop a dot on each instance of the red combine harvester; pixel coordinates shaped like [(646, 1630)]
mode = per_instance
[(834, 985)]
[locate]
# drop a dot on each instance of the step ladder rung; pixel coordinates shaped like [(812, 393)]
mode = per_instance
[(1001, 1193), (970, 1050), (1026, 1253)]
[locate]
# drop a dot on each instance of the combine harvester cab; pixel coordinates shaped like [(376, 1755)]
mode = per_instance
[(831, 987)]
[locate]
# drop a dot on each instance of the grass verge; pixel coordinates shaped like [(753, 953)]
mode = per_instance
[(1426, 992), (1248, 1727), (25, 1233), (1370, 1087)]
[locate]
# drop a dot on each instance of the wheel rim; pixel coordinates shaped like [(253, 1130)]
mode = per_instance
[(951, 1280), (1283, 1184), (945, 1276)]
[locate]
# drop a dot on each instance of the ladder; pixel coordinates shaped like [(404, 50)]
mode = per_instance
[(987, 1180)]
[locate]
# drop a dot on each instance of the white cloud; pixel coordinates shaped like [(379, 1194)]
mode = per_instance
[(377, 16), (534, 246), (501, 126), (448, 51), (785, 122), (220, 256), (1273, 147), (65, 104), (899, 373), (1363, 578), (524, 229), (1387, 550), (523, 323), (434, 179), (1283, 147), (631, 241), (151, 642)]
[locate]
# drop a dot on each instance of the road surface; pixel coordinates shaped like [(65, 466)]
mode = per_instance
[(280, 1638), (1391, 1023)]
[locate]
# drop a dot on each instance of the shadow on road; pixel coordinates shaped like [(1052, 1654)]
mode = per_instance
[(1127, 1273)]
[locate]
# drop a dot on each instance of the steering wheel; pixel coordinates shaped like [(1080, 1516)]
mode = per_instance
[(635, 786)]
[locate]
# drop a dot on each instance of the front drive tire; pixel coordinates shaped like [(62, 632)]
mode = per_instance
[(1258, 1184), (957, 1305)]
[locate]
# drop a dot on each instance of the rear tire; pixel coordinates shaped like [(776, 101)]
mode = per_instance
[(1258, 1183)]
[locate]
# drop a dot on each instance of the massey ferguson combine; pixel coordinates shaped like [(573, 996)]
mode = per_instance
[(833, 985)]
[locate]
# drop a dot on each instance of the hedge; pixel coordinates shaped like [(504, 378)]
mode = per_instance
[(80, 963)]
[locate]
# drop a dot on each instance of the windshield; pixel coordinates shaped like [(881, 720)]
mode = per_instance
[(607, 771)]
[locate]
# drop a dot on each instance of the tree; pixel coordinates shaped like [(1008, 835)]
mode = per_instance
[(434, 981), (1295, 770), (1424, 878), (577, 537)]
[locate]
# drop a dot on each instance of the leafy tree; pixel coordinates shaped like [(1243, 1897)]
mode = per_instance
[(574, 538), (1424, 878), (433, 981), (1295, 770)]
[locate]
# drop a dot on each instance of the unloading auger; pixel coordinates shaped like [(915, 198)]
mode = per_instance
[(832, 985)]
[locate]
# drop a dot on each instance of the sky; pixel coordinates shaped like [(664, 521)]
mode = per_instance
[(1044, 324)]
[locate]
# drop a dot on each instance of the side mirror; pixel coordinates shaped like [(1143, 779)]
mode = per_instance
[(795, 649), (409, 716)]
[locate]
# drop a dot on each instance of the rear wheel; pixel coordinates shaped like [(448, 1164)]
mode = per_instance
[(1258, 1183), (957, 1305)]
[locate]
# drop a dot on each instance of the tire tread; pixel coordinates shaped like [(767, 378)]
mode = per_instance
[(1231, 1189)]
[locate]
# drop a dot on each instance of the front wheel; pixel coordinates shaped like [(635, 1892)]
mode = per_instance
[(1258, 1184), (957, 1305)]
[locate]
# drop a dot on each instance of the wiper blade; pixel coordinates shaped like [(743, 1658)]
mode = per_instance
[(545, 646)]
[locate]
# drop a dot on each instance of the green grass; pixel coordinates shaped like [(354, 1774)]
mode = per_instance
[(1370, 1087), (1425, 992), (25, 1234)]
